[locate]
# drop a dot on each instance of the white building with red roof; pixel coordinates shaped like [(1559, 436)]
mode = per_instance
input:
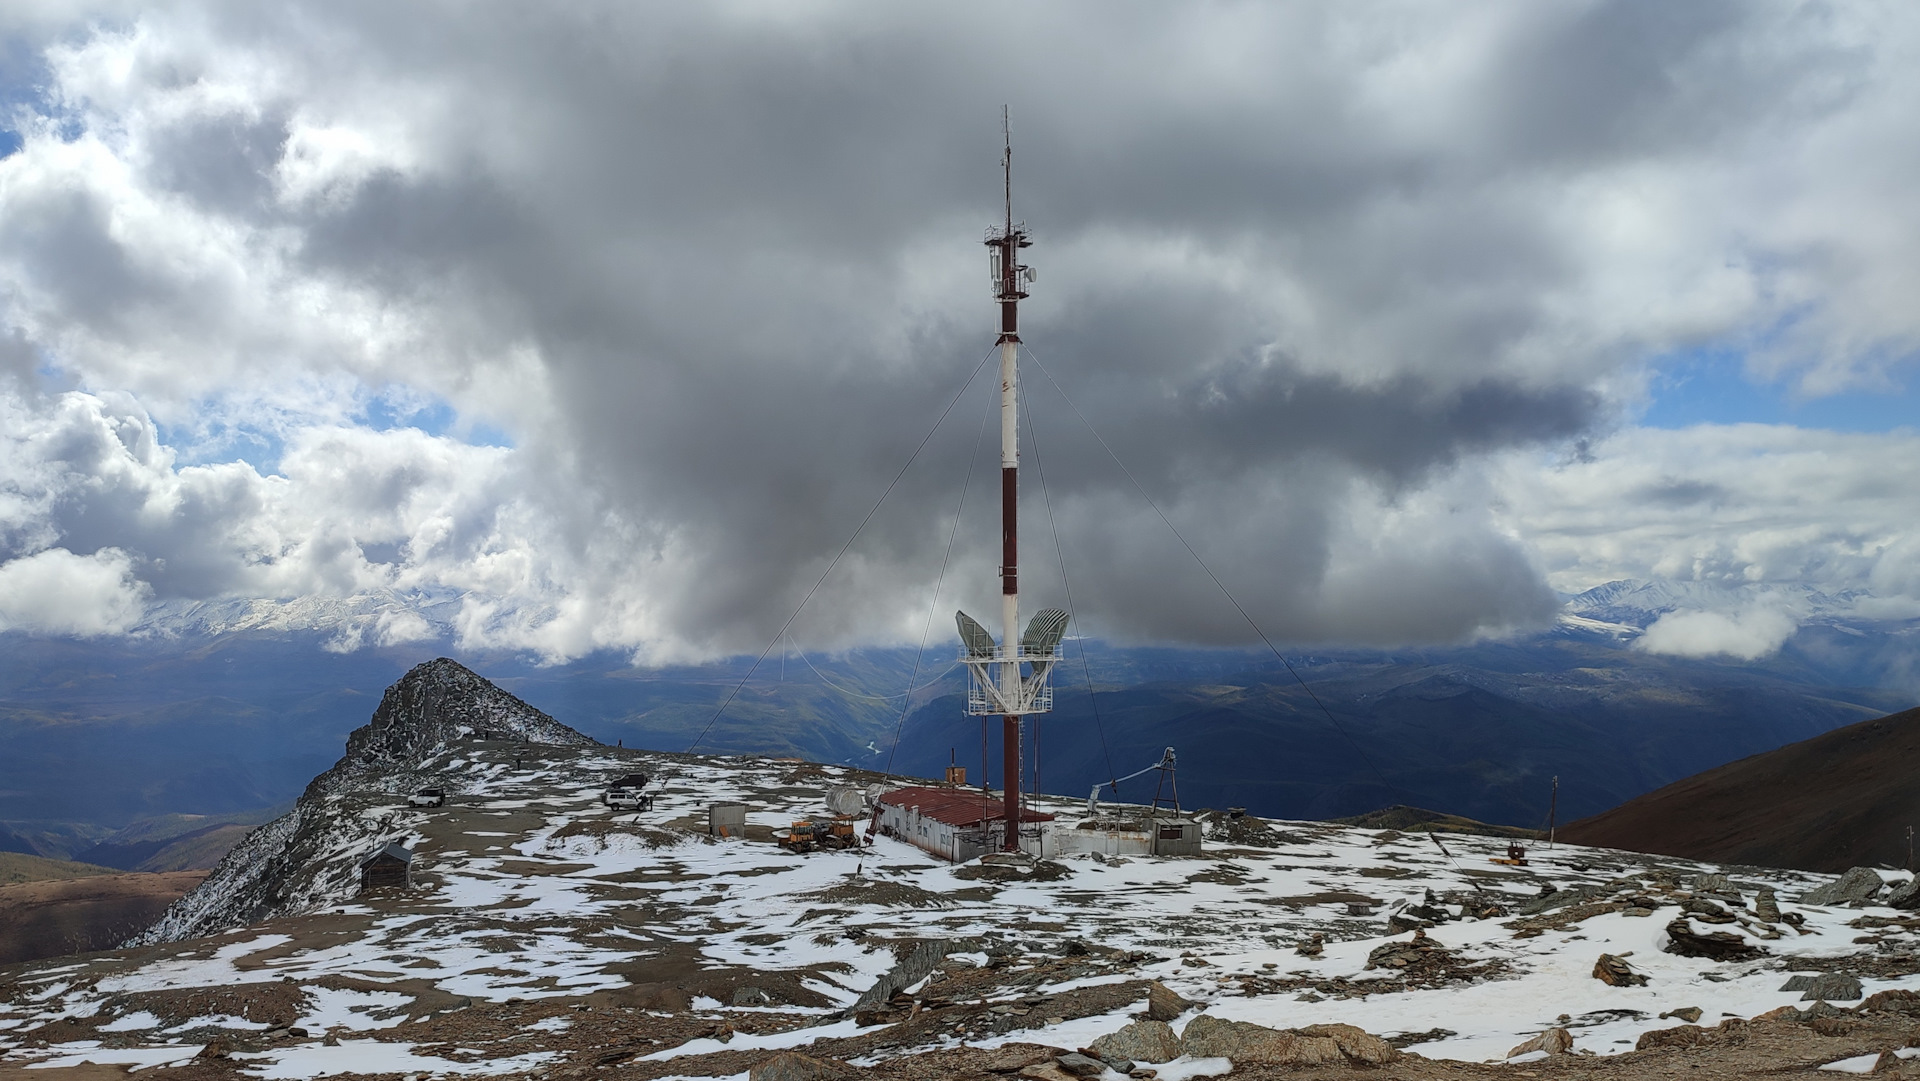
[(959, 824)]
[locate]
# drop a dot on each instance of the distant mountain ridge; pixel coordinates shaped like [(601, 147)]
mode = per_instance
[(1838, 800)]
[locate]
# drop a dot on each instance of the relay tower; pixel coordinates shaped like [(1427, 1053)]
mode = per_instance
[(1010, 678)]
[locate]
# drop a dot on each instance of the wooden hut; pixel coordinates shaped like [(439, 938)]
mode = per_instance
[(391, 866)]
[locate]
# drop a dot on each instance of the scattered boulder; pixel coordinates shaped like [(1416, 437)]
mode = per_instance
[(1906, 895), (1312, 946), (1765, 906), (1682, 1036), (1683, 941), (1080, 1065), (1046, 1071), (794, 1066), (1405, 954), (1142, 1041), (1858, 884), (1706, 911), (1554, 1041), (1778, 1013), (1714, 883), (1163, 1004), (1831, 987), (215, 1049), (1013, 1057), (1248, 1044), (1689, 1014), (1615, 972), (1831, 1026), (751, 996), (1356, 1043), (1896, 1000)]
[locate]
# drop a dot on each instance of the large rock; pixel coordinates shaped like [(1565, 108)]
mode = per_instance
[(1683, 941), (1615, 972), (1681, 1036), (1554, 1041), (1163, 1004), (1013, 1057), (1356, 1043), (1905, 895), (1248, 1044), (1765, 906), (1831, 987), (1080, 1065), (1142, 1041), (794, 1066), (1858, 884)]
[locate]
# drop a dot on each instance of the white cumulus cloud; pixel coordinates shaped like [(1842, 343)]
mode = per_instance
[(1744, 635), (56, 592)]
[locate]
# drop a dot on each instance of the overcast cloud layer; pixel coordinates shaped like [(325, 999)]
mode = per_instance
[(614, 319)]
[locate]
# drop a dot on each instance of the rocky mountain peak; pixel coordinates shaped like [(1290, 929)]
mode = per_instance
[(443, 701)]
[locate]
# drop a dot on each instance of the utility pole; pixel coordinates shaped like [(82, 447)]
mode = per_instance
[(1553, 808)]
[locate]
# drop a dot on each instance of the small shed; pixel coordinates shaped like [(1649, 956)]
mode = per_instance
[(727, 820), (1176, 837), (391, 866)]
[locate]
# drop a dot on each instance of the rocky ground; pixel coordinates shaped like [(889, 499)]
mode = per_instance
[(544, 936)]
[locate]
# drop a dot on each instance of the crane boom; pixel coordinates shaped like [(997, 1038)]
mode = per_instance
[(1093, 797)]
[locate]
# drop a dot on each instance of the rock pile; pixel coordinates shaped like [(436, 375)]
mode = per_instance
[(1554, 1041), (1859, 884), (1417, 952), (1615, 972), (1247, 1044), (1684, 941)]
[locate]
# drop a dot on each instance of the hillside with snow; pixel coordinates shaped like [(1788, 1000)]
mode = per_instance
[(542, 932)]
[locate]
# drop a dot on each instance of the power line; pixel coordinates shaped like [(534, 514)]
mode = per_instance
[(1225, 592), (939, 583), (836, 688), (1033, 437), (731, 695)]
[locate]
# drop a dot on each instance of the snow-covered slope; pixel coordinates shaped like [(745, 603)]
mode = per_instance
[(305, 858), (542, 931)]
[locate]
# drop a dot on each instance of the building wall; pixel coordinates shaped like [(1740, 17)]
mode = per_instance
[(958, 844), (1176, 837), (384, 872), (731, 816), (1108, 841)]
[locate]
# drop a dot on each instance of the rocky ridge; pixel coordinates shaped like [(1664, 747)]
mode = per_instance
[(295, 862)]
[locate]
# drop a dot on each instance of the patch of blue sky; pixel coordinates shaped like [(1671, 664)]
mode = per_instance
[(1712, 386), (222, 433), (214, 441), (405, 408), (10, 142)]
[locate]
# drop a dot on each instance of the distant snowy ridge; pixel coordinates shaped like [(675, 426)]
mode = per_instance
[(296, 863), (1638, 603), (379, 617)]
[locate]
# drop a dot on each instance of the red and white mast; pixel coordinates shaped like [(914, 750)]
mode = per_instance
[(1009, 286), (1010, 678)]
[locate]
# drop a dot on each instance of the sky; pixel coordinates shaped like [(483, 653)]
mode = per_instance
[(604, 325)]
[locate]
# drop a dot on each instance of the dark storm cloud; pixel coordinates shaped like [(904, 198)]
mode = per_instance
[(716, 270)]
